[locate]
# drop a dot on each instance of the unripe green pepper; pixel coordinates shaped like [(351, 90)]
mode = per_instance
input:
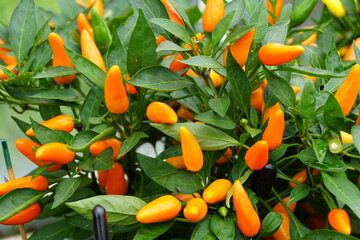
[(102, 34), (302, 12)]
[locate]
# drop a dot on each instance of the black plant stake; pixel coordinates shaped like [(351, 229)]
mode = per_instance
[(100, 223)]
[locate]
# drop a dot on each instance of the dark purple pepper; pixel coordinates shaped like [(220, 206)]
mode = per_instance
[(263, 180)]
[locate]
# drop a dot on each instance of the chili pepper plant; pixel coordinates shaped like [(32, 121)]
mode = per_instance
[(256, 114)]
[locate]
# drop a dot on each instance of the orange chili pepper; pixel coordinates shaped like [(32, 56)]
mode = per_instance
[(248, 220), (184, 113), (160, 39), (191, 151), (83, 24), (39, 183), (217, 191), (257, 156), (102, 178), (2, 49), (116, 98), (340, 221), (90, 51), (62, 122), (60, 58), (25, 146), (296, 89), (24, 216), (310, 40), (346, 137), (97, 147), (195, 210), (241, 48), (273, 54), (116, 182), (216, 78), (347, 93), (257, 99), (274, 131), (162, 209), (271, 111), (160, 112), (299, 177), (316, 221), (8, 59), (187, 197), (177, 66), (177, 162), (173, 14), (213, 13), (81, 3), (280, 208), (55, 152), (350, 53), (98, 5), (9, 67), (130, 88), (283, 233), (225, 158), (357, 122)]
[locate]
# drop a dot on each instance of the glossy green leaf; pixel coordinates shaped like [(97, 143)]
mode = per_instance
[(259, 16), (120, 209), (355, 132), (56, 72), (116, 54), (41, 57), (65, 95), (131, 142), (152, 230), (297, 229), (46, 135), (65, 189), (280, 88), (209, 138), (203, 230), (23, 30), (327, 234), (202, 61), (311, 71), (170, 46), (17, 200), (154, 167), (212, 118), (223, 228), (220, 105), (237, 33), (333, 61), (308, 99), (54, 231), (158, 78), (331, 162), (221, 28), (345, 190), (104, 160), (95, 74), (271, 223), (333, 115), (142, 53), (174, 28), (276, 33), (239, 7), (240, 85), (91, 106), (48, 112), (320, 148), (298, 193)]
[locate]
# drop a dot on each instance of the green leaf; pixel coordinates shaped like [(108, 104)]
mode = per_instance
[(308, 99), (259, 16), (66, 95), (120, 209), (203, 230), (280, 88), (327, 234), (158, 78), (82, 139), (320, 148), (116, 54), (297, 229), (104, 160), (141, 53), (174, 28), (223, 228), (271, 223), (9, 74), (240, 85), (202, 61), (17, 200), (239, 7), (276, 33), (220, 105), (41, 57), (91, 106), (355, 132), (311, 71), (331, 162), (90, 70), (131, 142), (345, 190), (221, 28), (333, 115), (333, 61), (214, 119), (237, 33), (209, 138), (152, 230), (56, 72), (65, 189), (48, 112), (357, 52), (168, 176), (298, 193), (46, 135), (54, 231), (170, 46), (23, 30)]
